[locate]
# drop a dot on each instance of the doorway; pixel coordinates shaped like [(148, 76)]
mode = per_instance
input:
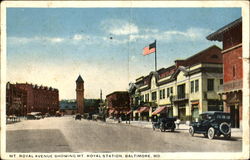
[(234, 112)]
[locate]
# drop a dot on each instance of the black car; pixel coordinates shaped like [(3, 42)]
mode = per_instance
[(212, 123), (78, 117), (165, 124)]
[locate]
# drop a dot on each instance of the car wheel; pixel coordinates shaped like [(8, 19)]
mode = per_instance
[(172, 129), (191, 131), (162, 128), (211, 133), (227, 136)]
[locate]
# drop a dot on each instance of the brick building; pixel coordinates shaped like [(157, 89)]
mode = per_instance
[(38, 98), (16, 100), (183, 90), (118, 103), (231, 92)]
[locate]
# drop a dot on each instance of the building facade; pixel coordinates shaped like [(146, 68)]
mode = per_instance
[(16, 100), (36, 98), (183, 90), (68, 107), (118, 103), (231, 92), (80, 95)]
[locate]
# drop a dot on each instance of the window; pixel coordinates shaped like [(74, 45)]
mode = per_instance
[(181, 91), (162, 94), (142, 98), (169, 91), (154, 96), (196, 85), (210, 84), (234, 69), (221, 81), (146, 97), (192, 86)]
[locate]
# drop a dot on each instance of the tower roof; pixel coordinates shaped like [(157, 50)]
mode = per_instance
[(79, 79)]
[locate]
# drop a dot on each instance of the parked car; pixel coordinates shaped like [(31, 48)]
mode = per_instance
[(58, 114), (47, 115), (164, 124), (78, 117), (211, 124), (34, 115)]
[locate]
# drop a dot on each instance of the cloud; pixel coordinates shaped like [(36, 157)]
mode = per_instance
[(123, 33), (56, 40), (25, 40), (119, 27), (191, 34)]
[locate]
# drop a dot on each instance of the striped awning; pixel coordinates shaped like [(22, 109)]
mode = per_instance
[(129, 112), (159, 110), (142, 109)]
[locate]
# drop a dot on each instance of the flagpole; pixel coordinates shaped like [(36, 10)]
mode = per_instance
[(155, 58)]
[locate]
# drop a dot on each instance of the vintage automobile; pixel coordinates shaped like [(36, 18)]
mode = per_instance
[(164, 124), (34, 115), (211, 124), (78, 117)]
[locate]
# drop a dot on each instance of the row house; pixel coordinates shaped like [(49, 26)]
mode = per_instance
[(182, 90), (118, 103), (40, 98), (231, 91)]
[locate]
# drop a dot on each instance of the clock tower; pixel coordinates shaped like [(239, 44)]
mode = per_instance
[(80, 95)]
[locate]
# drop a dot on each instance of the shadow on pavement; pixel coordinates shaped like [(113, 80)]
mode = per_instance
[(39, 140), (221, 138)]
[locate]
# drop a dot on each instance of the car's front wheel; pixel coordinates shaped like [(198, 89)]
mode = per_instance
[(162, 128), (191, 131), (211, 133)]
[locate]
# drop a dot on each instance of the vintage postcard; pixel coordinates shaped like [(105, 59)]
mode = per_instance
[(125, 80)]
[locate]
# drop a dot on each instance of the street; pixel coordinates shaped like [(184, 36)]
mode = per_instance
[(65, 134)]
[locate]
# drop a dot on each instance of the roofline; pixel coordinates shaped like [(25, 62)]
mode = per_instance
[(200, 52), (217, 35), (172, 66), (116, 92)]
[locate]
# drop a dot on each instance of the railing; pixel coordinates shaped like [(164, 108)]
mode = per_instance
[(234, 85), (180, 97)]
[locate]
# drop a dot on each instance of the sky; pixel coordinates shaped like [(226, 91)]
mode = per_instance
[(52, 46)]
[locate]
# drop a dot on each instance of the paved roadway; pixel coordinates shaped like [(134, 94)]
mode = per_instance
[(64, 134)]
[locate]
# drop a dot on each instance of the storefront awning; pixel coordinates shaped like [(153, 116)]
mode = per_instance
[(142, 109), (159, 110), (195, 102), (111, 111), (129, 112)]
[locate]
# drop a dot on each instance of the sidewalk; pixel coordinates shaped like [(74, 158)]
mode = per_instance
[(236, 132)]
